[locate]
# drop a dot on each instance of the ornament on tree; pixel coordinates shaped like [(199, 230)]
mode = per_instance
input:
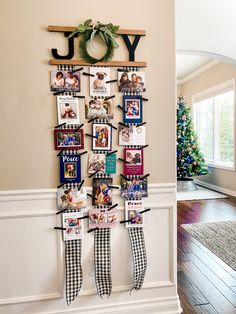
[(190, 161)]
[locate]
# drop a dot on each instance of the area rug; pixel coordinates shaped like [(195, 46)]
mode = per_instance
[(218, 237), (200, 194)]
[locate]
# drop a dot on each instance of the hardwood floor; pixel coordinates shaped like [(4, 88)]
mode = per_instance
[(205, 283)]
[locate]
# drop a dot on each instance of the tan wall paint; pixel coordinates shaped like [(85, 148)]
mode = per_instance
[(218, 74), (179, 89), (28, 159)]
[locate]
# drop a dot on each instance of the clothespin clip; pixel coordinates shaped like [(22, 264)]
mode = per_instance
[(90, 135), (119, 106), (109, 154), (91, 230), (112, 81), (125, 161), (113, 206), (59, 125), (59, 228), (110, 97), (87, 74), (93, 174), (80, 186), (77, 70)]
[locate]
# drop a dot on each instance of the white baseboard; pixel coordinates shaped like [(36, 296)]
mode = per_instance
[(216, 188), (165, 305)]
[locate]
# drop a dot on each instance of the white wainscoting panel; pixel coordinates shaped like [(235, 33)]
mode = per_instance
[(32, 257)]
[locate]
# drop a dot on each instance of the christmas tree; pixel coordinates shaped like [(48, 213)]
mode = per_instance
[(190, 161)]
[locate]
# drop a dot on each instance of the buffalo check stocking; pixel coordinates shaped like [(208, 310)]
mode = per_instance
[(73, 269), (139, 256), (102, 261)]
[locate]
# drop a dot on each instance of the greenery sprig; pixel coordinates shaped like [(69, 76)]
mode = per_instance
[(107, 33)]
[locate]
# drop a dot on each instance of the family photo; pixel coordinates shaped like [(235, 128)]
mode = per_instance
[(133, 109), (65, 81), (134, 188), (68, 110), (96, 162), (68, 138), (131, 82), (71, 199), (100, 219), (98, 108), (102, 136), (101, 191)]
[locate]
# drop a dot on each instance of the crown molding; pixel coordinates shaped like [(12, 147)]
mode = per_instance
[(199, 71)]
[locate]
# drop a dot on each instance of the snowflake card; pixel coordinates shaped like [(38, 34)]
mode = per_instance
[(101, 218), (70, 169), (134, 157), (71, 199), (132, 213), (74, 226), (98, 85)]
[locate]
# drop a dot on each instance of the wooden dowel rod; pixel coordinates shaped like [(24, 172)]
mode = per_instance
[(57, 28), (107, 63)]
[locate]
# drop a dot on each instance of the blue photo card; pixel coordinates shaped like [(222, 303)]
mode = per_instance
[(133, 109), (70, 169)]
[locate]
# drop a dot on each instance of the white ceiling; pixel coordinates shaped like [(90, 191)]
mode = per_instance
[(187, 64), (207, 27)]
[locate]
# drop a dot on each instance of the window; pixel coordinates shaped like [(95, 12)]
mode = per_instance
[(214, 117)]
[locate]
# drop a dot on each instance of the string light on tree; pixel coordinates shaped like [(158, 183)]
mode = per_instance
[(190, 161)]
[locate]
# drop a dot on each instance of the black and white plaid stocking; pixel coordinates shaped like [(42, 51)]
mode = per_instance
[(139, 256), (74, 274), (102, 261)]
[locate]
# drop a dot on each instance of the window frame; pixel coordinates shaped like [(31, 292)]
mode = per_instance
[(208, 93)]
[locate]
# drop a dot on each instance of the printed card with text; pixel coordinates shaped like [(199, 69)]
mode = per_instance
[(134, 157), (74, 226), (131, 135), (132, 213), (70, 168)]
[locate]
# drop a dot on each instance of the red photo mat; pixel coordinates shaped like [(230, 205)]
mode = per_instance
[(68, 139), (135, 158)]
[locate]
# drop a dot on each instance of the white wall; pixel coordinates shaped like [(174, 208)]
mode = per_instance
[(206, 26)]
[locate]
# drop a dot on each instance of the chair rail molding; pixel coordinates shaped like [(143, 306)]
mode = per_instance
[(32, 267)]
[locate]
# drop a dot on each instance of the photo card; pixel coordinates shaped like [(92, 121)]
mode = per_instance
[(74, 226), (68, 139), (68, 110), (134, 188), (98, 85), (98, 108), (65, 81), (71, 199), (133, 109), (133, 81), (70, 168), (102, 218), (96, 162), (135, 158), (132, 213), (101, 191), (102, 133), (131, 135)]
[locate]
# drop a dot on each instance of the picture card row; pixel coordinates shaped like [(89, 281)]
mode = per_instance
[(68, 81)]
